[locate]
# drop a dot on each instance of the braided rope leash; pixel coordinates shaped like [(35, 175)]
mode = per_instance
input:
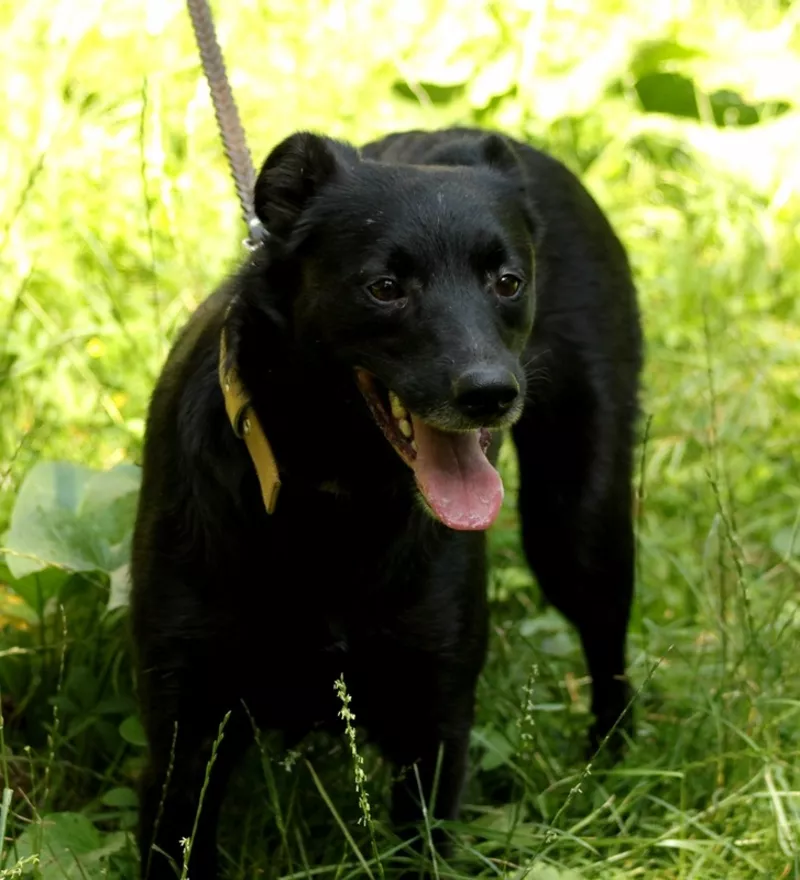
[(230, 127)]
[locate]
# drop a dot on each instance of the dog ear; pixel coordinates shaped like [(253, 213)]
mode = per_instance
[(491, 150), (497, 152), (294, 172)]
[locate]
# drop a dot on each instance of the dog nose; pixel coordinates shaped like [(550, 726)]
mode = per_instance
[(486, 391)]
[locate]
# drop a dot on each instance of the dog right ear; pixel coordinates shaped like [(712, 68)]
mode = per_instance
[(293, 173)]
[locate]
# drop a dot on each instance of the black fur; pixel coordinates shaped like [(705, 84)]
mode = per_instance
[(351, 574)]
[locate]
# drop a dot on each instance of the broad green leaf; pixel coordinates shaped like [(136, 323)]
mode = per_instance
[(110, 498), (70, 863), (93, 863), (671, 93), (105, 487), (74, 517), (15, 605), (121, 797), (50, 485), (55, 536), (39, 587), (131, 731), (59, 840)]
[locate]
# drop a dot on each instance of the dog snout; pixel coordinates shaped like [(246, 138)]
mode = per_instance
[(486, 392)]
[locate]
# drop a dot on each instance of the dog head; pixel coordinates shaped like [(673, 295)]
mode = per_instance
[(418, 281)]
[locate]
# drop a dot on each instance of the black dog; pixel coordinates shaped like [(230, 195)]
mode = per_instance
[(412, 301)]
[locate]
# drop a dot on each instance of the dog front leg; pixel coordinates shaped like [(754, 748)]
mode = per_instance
[(430, 759)]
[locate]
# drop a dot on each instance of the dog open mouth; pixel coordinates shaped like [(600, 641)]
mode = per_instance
[(459, 484)]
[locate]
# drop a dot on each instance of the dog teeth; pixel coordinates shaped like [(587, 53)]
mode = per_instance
[(398, 410), (401, 417), (413, 445)]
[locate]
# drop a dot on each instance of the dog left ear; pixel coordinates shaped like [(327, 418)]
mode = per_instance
[(497, 152), (293, 173)]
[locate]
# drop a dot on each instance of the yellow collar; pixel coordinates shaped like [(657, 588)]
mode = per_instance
[(246, 424)]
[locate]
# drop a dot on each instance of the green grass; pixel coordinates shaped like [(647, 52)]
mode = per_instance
[(117, 217)]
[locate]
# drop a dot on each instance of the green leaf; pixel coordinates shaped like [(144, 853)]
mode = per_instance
[(71, 847), (64, 837), (498, 748), (71, 516), (652, 56), (103, 488), (131, 731), (121, 797), (95, 861), (52, 484), (45, 538), (38, 588), (670, 93), (729, 108), (22, 603), (110, 499)]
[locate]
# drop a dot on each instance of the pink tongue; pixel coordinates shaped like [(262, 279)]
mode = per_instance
[(458, 482)]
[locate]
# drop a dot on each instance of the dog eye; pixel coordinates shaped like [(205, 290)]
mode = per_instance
[(385, 290), (508, 286)]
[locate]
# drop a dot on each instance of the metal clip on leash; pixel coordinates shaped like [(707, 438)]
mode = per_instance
[(230, 126)]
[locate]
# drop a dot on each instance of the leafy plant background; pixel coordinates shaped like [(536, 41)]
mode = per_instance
[(117, 217)]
